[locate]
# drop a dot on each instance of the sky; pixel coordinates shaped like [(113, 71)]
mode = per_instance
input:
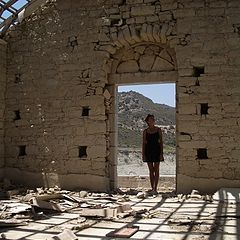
[(159, 93), (16, 5)]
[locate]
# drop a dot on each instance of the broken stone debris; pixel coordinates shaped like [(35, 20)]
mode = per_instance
[(11, 223), (65, 235), (109, 212), (230, 195), (84, 207), (86, 210), (125, 232)]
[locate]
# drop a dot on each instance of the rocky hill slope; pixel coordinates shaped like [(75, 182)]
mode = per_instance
[(133, 107)]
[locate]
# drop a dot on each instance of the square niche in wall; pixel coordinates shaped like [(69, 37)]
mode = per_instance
[(22, 150), (82, 151), (198, 71), (17, 115), (204, 108), (85, 111), (202, 153)]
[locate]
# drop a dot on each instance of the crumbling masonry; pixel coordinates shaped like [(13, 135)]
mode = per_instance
[(59, 71)]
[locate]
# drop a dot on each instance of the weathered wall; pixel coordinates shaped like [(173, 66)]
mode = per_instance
[(54, 78), (208, 97), (3, 72), (65, 59)]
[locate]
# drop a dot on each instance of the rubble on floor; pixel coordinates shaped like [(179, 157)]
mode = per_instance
[(121, 211)]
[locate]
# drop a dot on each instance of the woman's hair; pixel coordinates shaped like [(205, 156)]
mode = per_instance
[(149, 116)]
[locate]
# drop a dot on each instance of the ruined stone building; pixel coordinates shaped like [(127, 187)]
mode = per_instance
[(60, 64)]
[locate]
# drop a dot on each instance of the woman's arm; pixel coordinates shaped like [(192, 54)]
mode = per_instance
[(143, 145), (161, 144)]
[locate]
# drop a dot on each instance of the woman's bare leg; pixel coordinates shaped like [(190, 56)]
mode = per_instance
[(151, 174), (156, 175)]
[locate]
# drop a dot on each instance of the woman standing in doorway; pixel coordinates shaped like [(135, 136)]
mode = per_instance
[(152, 150)]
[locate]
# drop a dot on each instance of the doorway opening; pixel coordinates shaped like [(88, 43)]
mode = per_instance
[(134, 102)]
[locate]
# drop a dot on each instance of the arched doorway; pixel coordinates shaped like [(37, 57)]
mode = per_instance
[(141, 63)]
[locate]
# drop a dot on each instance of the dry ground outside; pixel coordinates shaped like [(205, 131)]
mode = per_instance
[(130, 163)]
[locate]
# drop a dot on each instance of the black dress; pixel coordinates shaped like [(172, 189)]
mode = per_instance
[(152, 147)]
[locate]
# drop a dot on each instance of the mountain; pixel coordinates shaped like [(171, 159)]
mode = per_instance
[(133, 108)]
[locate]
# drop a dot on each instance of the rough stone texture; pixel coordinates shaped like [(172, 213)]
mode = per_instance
[(3, 72), (62, 58)]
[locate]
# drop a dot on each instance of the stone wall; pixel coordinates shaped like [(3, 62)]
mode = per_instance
[(3, 71), (55, 111), (208, 93), (66, 59)]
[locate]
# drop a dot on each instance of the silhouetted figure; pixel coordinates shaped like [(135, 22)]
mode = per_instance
[(152, 150)]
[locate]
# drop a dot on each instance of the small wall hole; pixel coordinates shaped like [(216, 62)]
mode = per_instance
[(85, 111), (72, 42), (17, 78), (204, 108), (22, 150), (17, 115), (197, 71), (82, 151), (202, 153)]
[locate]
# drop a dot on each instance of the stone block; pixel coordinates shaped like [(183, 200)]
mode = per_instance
[(122, 40), (143, 32), (227, 122), (193, 144), (184, 26), (161, 65), (183, 13), (169, 5), (184, 72), (127, 36), (142, 10), (95, 127), (108, 48), (187, 109), (163, 32), (146, 63), (189, 127), (165, 16), (152, 19), (130, 21), (134, 1), (235, 153), (156, 33), (217, 4), (150, 33), (126, 15), (134, 34), (96, 151), (184, 138), (128, 66)]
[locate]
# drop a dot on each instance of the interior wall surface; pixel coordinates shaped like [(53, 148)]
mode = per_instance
[(56, 124), (64, 60), (208, 93), (3, 72)]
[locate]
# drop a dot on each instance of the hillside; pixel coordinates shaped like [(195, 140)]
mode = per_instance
[(132, 110)]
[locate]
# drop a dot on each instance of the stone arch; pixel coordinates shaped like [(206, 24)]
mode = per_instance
[(155, 33), (131, 36), (144, 57)]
